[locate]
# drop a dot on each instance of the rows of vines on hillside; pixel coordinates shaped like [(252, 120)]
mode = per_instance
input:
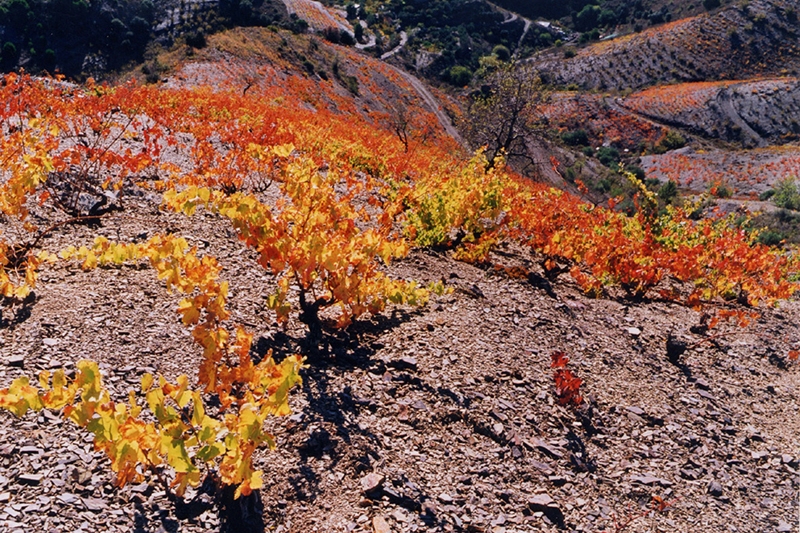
[(349, 198)]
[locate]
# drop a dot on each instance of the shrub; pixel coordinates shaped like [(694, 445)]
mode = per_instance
[(575, 138), (459, 75), (346, 38), (196, 40), (720, 189), (501, 52), (48, 61), (668, 192), (766, 195), (608, 155), (592, 35), (671, 141), (770, 237), (641, 175), (338, 36), (786, 194)]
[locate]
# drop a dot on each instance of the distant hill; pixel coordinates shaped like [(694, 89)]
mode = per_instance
[(81, 38), (757, 38)]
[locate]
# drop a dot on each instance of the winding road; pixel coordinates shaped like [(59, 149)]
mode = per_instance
[(511, 18), (424, 93), (396, 49)]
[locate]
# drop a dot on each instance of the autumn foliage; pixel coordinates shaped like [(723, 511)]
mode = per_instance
[(567, 384), (180, 430), (327, 201)]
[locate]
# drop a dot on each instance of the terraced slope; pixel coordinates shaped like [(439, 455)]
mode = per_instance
[(756, 39), (755, 113), (748, 172)]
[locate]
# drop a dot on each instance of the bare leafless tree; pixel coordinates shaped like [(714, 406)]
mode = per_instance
[(506, 114)]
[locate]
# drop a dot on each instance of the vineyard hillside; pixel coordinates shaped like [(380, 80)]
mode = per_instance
[(738, 41), (266, 284)]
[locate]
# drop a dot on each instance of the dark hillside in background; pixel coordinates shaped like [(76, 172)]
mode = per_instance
[(79, 38), (72, 36)]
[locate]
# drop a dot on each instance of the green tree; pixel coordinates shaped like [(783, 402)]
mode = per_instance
[(587, 18), (8, 59), (575, 138)]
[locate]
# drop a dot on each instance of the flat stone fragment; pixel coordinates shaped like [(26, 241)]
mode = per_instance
[(371, 482), (638, 411), (647, 479), (31, 449), (545, 504), (540, 502), (379, 525), (705, 394), (552, 451), (68, 498), (404, 363), (17, 361), (94, 504), (30, 479), (715, 489), (542, 467), (140, 488)]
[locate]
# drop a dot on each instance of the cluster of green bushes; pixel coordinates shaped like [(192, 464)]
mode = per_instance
[(613, 182), (50, 35), (463, 33), (785, 195), (594, 17)]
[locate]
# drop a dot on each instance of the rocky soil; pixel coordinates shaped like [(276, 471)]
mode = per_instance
[(443, 418)]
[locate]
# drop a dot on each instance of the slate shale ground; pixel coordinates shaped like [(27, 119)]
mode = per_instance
[(435, 419)]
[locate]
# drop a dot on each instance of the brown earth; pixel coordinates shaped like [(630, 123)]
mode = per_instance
[(448, 411)]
